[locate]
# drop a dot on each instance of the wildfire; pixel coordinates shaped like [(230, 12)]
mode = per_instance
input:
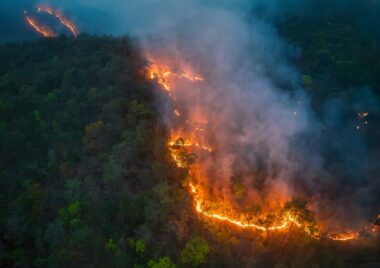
[(182, 145), (42, 29), (160, 74), (64, 21), (286, 221), (45, 30), (177, 113), (177, 142), (372, 228), (191, 77), (345, 236), (180, 150), (188, 141), (164, 76)]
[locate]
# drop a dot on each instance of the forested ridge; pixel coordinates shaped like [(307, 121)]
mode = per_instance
[(82, 156), (86, 179)]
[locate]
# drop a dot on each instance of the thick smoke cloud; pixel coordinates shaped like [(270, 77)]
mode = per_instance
[(262, 119), (253, 122)]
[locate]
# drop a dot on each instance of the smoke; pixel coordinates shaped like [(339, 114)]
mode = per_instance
[(261, 123), (251, 97), (349, 148), (265, 132)]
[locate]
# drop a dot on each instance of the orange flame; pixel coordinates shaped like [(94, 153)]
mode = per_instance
[(164, 76), (177, 146), (41, 29), (63, 20), (189, 139), (345, 236), (183, 143), (177, 113), (286, 222)]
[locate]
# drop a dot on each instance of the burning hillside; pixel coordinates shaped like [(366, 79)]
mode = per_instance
[(59, 15), (237, 143), (193, 145), (45, 30)]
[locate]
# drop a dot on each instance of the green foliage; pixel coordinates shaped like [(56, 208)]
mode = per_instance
[(76, 135), (195, 251), (335, 54), (162, 190), (71, 211), (164, 262), (140, 246), (92, 134), (51, 97), (111, 245), (37, 115)]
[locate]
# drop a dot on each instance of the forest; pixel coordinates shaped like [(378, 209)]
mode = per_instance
[(87, 179)]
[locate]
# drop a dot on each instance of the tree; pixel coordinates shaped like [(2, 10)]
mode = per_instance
[(164, 262), (195, 251), (93, 132)]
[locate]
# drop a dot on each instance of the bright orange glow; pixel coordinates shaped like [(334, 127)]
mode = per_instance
[(191, 77), (375, 226), (177, 113), (63, 20), (372, 228), (188, 142), (286, 221), (165, 76), (363, 115), (160, 74), (183, 144), (39, 28), (346, 236)]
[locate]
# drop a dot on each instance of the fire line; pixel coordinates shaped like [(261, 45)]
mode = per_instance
[(63, 20), (39, 28), (181, 142)]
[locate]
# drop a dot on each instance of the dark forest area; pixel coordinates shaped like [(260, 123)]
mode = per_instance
[(86, 176)]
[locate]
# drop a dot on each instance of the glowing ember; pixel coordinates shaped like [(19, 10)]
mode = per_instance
[(286, 221), (64, 21), (164, 76), (177, 113), (160, 74), (372, 228), (346, 236), (39, 28), (191, 77), (363, 115)]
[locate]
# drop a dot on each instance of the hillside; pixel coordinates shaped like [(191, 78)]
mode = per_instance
[(86, 176)]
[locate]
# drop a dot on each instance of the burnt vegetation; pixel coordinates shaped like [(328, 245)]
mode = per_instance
[(86, 176)]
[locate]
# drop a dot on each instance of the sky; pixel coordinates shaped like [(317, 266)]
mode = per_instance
[(119, 17)]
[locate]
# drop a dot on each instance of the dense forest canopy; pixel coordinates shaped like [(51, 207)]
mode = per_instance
[(86, 176)]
